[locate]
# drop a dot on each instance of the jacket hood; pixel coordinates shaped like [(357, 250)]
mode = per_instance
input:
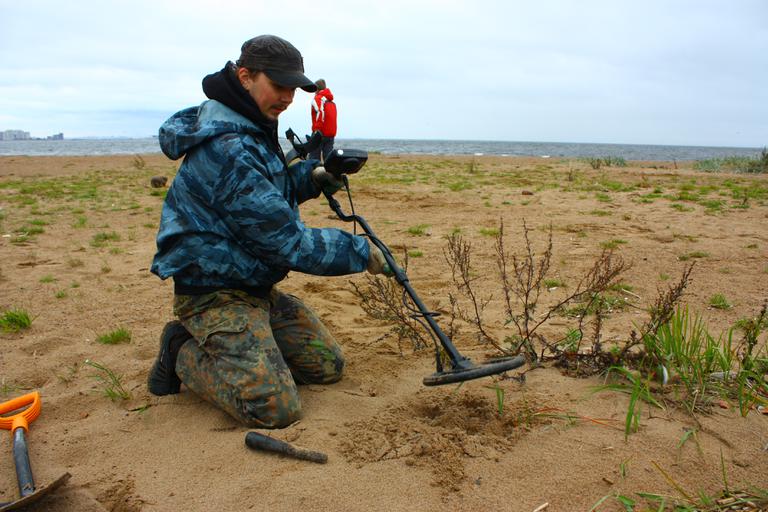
[(194, 125), (224, 87), (325, 93)]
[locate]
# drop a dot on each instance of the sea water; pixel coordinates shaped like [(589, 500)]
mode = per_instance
[(118, 146)]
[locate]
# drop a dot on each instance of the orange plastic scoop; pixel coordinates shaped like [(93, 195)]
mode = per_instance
[(24, 418), (18, 424)]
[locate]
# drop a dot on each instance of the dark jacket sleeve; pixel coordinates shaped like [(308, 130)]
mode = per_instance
[(301, 173), (265, 224)]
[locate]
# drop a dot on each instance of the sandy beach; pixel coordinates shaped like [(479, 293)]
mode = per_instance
[(78, 237)]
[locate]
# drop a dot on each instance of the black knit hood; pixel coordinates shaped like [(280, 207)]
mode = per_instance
[(225, 87)]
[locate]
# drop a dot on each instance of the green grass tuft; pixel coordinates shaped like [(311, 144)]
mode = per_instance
[(111, 383), (15, 320), (120, 335), (418, 230), (681, 207), (613, 244), (489, 231), (100, 239), (718, 301), (694, 254)]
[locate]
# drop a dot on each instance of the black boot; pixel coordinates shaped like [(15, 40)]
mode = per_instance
[(162, 378)]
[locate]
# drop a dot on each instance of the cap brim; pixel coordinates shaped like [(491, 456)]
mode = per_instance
[(291, 79)]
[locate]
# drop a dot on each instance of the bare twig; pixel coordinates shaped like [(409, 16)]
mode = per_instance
[(661, 311), (526, 282), (383, 299), (458, 255)]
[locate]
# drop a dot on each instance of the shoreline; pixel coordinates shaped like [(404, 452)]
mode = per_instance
[(434, 148)]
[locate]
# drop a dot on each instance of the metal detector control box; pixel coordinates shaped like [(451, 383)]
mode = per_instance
[(345, 161)]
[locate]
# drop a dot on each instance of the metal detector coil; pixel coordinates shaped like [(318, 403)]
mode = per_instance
[(348, 161), (472, 371)]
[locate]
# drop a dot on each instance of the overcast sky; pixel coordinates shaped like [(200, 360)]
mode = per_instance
[(688, 72)]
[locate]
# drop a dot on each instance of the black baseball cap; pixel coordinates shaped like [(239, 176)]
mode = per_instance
[(278, 59)]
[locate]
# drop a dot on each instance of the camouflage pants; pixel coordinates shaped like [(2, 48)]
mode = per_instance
[(251, 353)]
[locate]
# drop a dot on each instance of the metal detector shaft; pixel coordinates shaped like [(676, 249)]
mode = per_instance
[(458, 362)]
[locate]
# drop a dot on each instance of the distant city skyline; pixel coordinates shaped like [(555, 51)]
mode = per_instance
[(14, 134), (689, 72)]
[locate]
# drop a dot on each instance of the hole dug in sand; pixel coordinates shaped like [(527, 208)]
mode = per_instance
[(439, 429)]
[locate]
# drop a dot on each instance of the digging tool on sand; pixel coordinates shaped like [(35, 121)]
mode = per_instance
[(342, 162), (18, 424), (256, 441)]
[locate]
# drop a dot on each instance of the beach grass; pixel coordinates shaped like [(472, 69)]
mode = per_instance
[(15, 320)]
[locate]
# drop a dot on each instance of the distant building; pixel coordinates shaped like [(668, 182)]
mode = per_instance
[(56, 136), (14, 135)]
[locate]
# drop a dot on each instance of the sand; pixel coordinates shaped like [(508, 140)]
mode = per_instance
[(392, 443)]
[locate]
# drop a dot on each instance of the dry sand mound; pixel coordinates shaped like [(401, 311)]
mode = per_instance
[(438, 429)]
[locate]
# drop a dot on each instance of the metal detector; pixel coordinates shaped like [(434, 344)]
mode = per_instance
[(342, 162)]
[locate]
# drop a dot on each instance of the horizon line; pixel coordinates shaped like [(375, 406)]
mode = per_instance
[(126, 137)]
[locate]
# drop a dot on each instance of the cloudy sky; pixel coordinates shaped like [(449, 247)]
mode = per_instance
[(689, 72)]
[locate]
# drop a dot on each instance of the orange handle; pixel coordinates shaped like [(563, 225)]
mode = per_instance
[(24, 418)]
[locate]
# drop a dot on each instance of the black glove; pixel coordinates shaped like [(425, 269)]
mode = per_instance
[(326, 181)]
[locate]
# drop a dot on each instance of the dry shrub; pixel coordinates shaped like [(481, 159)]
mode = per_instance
[(522, 277), (384, 299)]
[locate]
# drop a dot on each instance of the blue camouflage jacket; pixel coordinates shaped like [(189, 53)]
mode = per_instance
[(231, 219)]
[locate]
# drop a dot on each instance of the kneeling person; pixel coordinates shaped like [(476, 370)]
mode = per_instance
[(230, 231)]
